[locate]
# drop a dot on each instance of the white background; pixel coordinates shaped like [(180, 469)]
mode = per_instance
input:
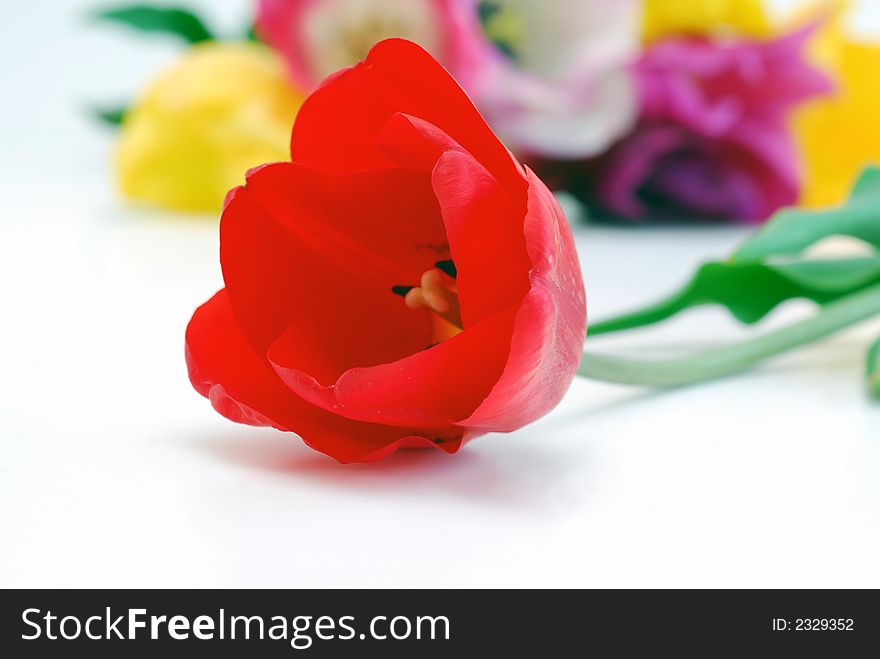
[(114, 472)]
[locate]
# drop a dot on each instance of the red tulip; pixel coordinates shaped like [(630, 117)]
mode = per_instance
[(402, 282)]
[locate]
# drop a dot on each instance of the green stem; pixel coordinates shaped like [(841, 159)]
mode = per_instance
[(721, 362)]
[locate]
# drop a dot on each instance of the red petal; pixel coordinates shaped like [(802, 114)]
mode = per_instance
[(431, 388), (337, 127), (446, 383), (322, 252), (484, 224), (414, 143), (244, 388), (485, 234), (548, 336)]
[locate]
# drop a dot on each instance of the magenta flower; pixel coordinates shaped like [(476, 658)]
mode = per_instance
[(713, 139)]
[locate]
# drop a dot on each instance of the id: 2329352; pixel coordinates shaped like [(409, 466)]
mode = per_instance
[(813, 625)]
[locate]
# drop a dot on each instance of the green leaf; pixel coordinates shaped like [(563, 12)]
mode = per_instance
[(112, 116), (756, 280), (793, 230), (750, 291), (168, 20), (874, 370)]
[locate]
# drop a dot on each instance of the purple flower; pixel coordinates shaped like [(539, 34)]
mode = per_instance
[(713, 139)]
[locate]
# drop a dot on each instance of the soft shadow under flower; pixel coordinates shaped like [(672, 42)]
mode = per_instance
[(520, 477)]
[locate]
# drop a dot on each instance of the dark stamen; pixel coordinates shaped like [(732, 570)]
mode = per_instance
[(401, 290), (448, 267)]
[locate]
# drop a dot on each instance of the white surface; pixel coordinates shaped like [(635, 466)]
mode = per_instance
[(113, 472)]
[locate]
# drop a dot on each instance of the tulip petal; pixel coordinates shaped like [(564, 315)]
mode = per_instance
[(337, 127), (414, 143), (244, 388), (491, 380), (235, 384), (483, 226), (299, 245), (485, 235), (549, 331), (448, 381), (430, 388)]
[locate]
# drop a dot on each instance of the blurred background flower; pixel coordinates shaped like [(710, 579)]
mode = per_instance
[(713, 140), (553, 79), (838, 135), (218, 111), (716, 18), (319, 37), (644, 109), (550, 77)]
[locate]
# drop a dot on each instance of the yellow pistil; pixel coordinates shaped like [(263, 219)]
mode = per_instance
[(437, 292)]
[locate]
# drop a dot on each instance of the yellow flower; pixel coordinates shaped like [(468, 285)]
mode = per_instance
[(838, 135), (219, 110), (661, 18)]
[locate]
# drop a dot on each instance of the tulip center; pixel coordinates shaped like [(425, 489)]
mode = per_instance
[(341, 32), (437, 293), (503, 25)]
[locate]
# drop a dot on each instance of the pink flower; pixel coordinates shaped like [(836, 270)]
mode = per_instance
[(551, 78), (713, 140), (319, 37), (562, 88)]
